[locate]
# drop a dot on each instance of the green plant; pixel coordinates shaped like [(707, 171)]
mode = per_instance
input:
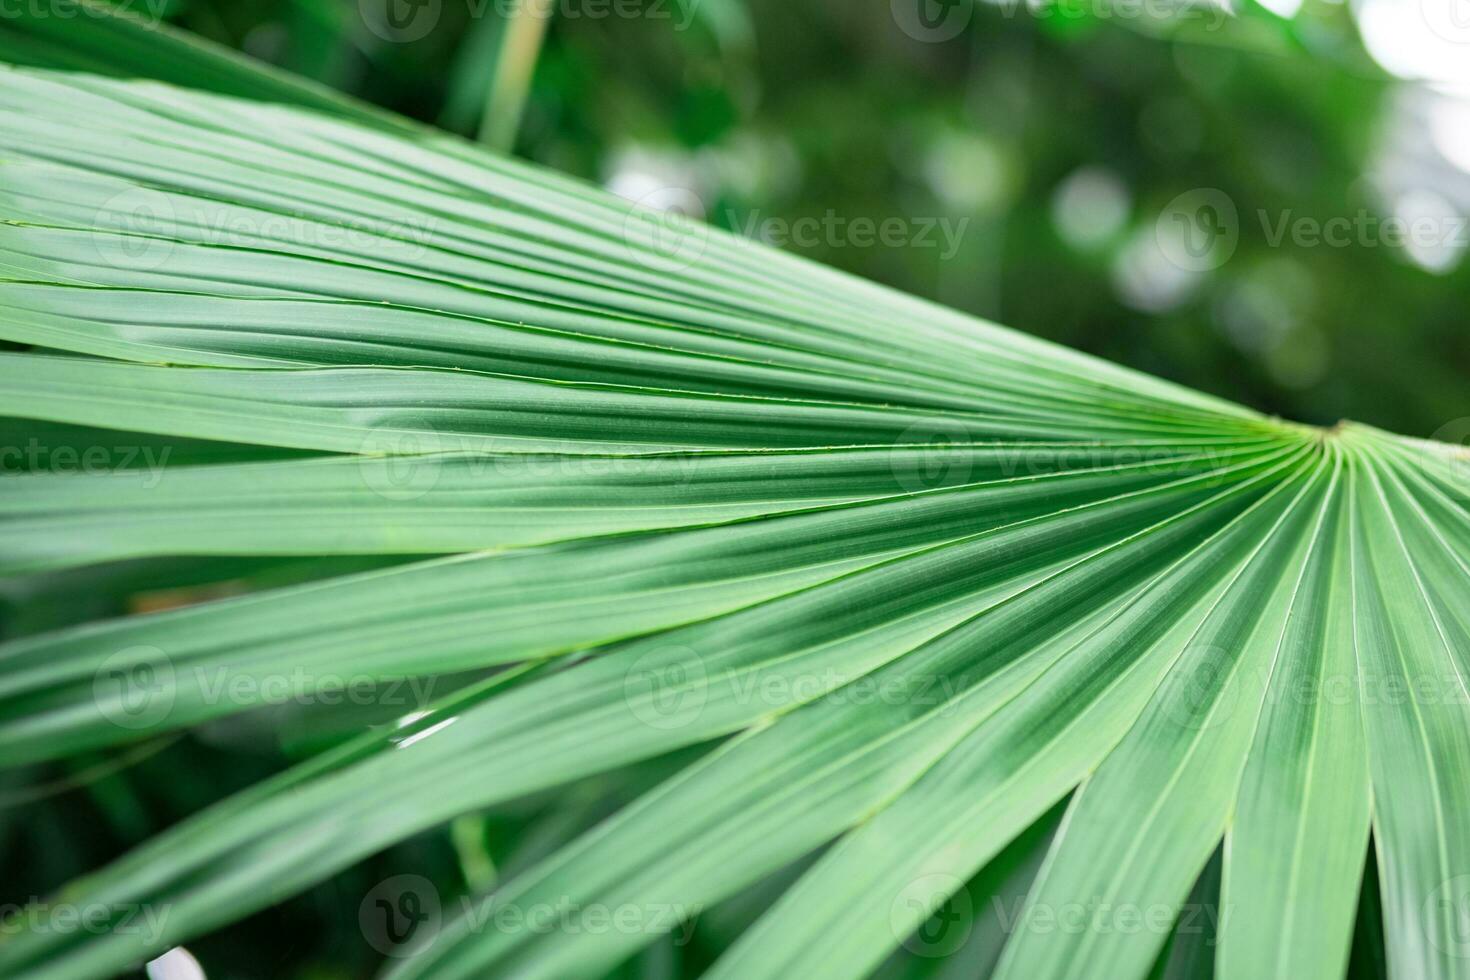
[(910, 580)]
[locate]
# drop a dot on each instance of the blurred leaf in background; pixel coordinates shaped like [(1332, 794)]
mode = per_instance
[(1064, 145)]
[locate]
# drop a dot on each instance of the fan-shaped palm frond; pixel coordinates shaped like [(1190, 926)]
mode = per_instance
[(910, 577)]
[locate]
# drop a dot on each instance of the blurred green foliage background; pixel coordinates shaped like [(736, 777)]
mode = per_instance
[(1054, 135)]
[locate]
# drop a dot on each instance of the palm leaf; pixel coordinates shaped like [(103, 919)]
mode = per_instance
[(907, 581)]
